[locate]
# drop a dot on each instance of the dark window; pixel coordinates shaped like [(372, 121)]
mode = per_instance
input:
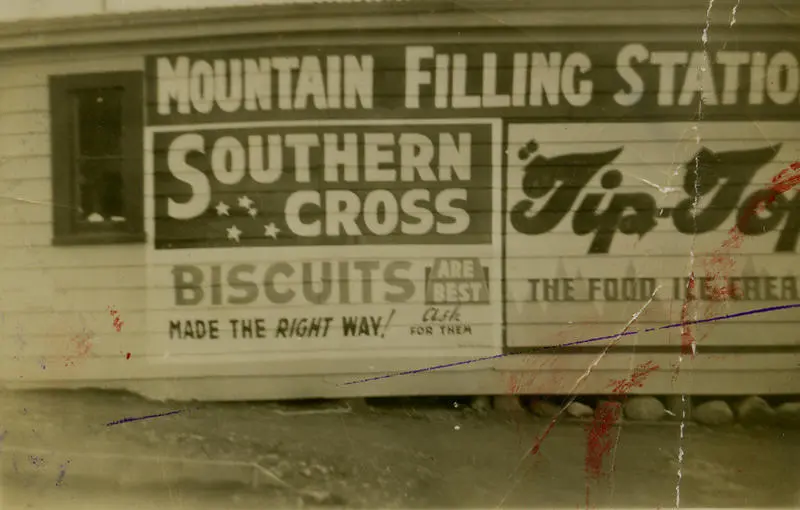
[(97, 158)]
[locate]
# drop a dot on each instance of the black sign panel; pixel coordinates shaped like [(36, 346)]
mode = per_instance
[(565, 82), (317, 185)]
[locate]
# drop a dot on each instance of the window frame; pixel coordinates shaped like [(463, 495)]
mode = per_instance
[(64, 174)]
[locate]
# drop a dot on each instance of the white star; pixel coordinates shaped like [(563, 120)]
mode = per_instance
[(245, 202), (271, 231), (222, 209), (252, 212), (234, 233)]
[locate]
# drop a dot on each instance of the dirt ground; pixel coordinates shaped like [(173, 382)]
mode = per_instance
[(398, 456)]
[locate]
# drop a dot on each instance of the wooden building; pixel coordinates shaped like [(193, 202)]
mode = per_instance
[(300, 200)]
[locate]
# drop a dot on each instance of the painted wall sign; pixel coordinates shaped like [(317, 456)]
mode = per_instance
[(325, 236), (314, 186), (604, 217), (722, 179), (443, 196), (568, 81)]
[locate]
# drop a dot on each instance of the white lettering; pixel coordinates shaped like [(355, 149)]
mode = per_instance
[(228, 84), (491, 99), (378, 203), (379, 211), (257, 84), (173, 83), (415, 76), (358, 81), (441, 96), (302, 143), (545, 78), (334, 75), (377, 151), (732, 60), (444, 205), (416, 155), (336, 157), (583, 95), (256, 158), (698, 79), (294, 205), (423, 215), (201, 86), (310, 84), (519, 83), (228, 160), (384, 157), (342, 208), (783, 64), (630, 54), (284, 66), (460, 97), (667, 60), (200, 199), (757, 77), (455, 158)]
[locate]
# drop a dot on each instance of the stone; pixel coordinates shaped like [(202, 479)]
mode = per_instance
[(579, 410), (676, 405), (788, 413), (608, 408), (508, 403), (481, 404), (357, 405), (644, 408), (282, 469), (269, 459), (607, 403), (544, 408), (714, 412), (322, 497), (755, 411), (325, 471)]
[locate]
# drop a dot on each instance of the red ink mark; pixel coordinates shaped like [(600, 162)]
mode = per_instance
[(539, 440), (128, 356), (640, 373), (760, 203), (62, 473), (687, 337), (607, 414), (538, 443), (524, 382), (80, 346), (117, 321), (720, 265), (600, 441), (779, 186)]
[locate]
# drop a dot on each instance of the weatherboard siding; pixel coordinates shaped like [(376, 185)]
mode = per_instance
[(51, 294)]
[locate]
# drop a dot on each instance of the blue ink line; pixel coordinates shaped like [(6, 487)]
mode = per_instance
[(124, 420), (585, 341), (62, 474)]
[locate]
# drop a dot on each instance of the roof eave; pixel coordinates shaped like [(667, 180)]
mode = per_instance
[(365, 16)]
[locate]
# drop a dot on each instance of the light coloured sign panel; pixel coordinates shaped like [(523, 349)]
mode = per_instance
[(604, 217), (383, 236), (528, 187)]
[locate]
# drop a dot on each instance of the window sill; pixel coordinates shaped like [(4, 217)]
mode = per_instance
[(99, 238)]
